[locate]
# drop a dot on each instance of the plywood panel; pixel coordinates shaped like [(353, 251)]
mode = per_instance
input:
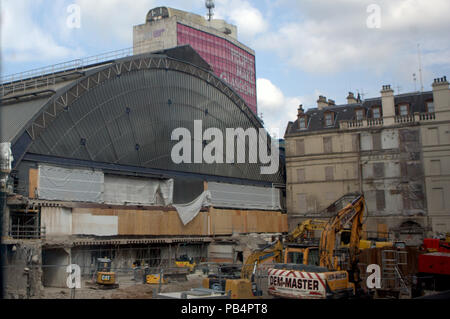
[(221, 221), (382, 230), (33, 180)]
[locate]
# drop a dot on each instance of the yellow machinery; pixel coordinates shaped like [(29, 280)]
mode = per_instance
[(185, 261), (155, 279), (301, 255), (271, 253), (237, 288), (350, 217), (105, 278), (277, 252), (332, 278)]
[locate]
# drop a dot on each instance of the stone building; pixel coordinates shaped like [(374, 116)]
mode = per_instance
[(395, 149)]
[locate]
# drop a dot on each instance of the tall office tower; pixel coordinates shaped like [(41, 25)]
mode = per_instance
[(214, 39)]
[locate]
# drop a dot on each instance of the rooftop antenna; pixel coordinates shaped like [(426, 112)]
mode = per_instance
[(361, 93), (398, 87), (210, 6), (415, 82), (420, 67)]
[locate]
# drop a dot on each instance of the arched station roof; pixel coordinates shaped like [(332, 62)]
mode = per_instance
[(122, 113)]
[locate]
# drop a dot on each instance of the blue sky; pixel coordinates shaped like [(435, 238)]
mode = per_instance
[(303, 48)]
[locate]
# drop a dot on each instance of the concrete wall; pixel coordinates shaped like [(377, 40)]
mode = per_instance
[(18, 283), (55, 262)]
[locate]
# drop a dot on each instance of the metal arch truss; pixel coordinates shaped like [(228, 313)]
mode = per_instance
[(61, 102)]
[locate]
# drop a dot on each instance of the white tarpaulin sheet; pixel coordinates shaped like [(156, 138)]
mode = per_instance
[(120, 190), (187, 212), (244, 196), (6, 157), (57, 183)]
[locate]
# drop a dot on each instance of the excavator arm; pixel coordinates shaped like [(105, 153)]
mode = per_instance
[(352, 214), (273, 252), (304, 227)]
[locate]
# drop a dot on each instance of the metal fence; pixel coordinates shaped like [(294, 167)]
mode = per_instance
[(46, 76), (27, 232)]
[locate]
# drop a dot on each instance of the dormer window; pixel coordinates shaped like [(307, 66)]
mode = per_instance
[(376, 112), (430, 106), (328, 119), (359, 114), (403, 109), (302, 122)]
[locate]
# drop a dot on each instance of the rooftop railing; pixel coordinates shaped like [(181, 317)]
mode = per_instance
[(410, 118), (45, 76)]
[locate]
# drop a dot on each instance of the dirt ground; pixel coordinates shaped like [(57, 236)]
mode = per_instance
[(128, 289)]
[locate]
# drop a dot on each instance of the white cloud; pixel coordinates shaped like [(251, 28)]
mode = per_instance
[(332, 36), (248, 19), (23, 39), (113, 20), (276, 108)]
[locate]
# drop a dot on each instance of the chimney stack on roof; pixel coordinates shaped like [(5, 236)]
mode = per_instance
[(351, 98), (322, 102), (441, 94), (300, 111), (387, 101)]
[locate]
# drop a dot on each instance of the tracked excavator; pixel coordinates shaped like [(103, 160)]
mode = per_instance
[(292, 246), (335, 275)]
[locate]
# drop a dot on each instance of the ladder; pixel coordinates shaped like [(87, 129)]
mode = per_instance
[(392, 277)]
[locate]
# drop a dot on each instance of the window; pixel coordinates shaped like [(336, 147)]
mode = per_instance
[(381, 200), (327, 146), (328, 119), (430, 107), (302, 122), (329, 173), (403, 109), (378, 170), (376, 141), (433, 137), (437, 198), (435, 167), (359, 114), (376, 113), (300, 146), (300, 175), (301, 198)]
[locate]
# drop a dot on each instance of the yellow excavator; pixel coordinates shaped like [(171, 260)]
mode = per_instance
[(334, 277), (332, 255), (292, 248), (105, 278), (275, 252)]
